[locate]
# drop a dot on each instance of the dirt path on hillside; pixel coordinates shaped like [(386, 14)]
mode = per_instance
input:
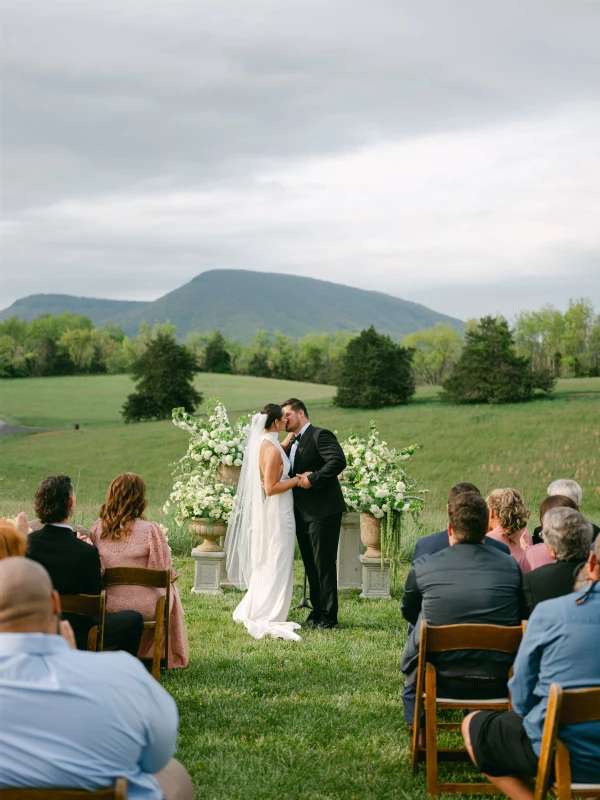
[(8, 430)]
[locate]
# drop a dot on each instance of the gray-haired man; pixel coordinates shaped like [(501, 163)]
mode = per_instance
[(567, 534), (568, 488)]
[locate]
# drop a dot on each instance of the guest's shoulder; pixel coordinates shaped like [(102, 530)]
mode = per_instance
[(431, 543)]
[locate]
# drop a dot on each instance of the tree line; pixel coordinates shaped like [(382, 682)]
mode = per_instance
[(563, 344)]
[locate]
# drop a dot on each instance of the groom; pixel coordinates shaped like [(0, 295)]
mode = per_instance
[(316, 454)]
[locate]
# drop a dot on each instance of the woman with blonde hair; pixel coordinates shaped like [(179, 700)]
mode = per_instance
[(125, 538), (508, 520)]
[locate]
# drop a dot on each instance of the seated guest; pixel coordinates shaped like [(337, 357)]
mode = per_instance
[(125, 538), (74, 565), (468, 582), (427, 545), (560, 645), (71, 719), (568, 536), (12, 541), (508, 518), (568, 488), (538, 555)]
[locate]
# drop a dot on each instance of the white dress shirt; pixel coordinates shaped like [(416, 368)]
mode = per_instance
[(295, 445)]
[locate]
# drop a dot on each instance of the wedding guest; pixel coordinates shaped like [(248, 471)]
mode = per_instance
[(73, 564), (568, 488), (72, 719), (125, 538), (508, 518), (559, 646), (12, 541), (568, 537), (468, 582), (538, 555), (434, 542)]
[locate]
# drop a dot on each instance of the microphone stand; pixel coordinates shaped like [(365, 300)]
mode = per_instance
[(304, 602)]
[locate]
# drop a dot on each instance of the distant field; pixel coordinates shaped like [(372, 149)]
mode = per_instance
[(524, 445)]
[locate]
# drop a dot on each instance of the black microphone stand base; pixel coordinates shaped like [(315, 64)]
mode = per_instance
[(304, 602)]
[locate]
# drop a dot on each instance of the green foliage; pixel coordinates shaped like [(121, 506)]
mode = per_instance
[(216, 357), (436, 350), (164, 374), (490, 371), (376, 372)]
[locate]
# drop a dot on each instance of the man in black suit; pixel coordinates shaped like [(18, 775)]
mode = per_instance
[(316, 454), (428, 545), (568, 536), (468, 582), (565, 487), (73, 564)]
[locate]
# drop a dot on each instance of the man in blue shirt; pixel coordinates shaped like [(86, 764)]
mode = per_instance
[(561, 645), (76, 719)]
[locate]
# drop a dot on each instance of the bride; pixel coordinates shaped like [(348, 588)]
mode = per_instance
[(261, 535)]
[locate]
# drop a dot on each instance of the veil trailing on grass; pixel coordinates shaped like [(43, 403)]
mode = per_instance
[(244, 531)]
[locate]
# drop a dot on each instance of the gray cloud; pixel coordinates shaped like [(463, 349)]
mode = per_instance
[(145, 142)]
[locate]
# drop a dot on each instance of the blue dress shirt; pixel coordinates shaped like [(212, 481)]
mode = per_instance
[(71, 718), (561, 645)]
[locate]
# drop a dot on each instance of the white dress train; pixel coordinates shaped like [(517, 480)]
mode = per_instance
[(265, 606)]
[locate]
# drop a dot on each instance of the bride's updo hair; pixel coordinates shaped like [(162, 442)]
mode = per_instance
[(273, 412)]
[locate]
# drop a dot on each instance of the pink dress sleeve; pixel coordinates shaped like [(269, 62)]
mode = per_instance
[(96, 531)]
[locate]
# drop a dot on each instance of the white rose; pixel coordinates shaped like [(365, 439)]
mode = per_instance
[(400, 486)]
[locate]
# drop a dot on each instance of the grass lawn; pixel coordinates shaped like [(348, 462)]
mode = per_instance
[(321, 718)]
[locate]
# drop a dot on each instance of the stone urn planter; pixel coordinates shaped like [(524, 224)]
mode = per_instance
[(370, 534), (230, 476), (210, 530)]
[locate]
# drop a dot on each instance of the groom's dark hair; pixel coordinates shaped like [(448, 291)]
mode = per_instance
[(296, 405)]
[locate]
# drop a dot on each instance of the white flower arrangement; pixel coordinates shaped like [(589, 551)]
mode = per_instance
[(215, 441), (200, 497), (375, 482)]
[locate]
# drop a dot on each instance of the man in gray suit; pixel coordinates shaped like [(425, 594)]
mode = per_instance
[(467, 582)]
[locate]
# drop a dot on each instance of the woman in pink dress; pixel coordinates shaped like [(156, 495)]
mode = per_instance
[(508, 518), (126, 539)]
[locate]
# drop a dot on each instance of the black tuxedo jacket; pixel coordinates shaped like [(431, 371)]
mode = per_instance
[(427, 545), (73, 566), (319, 453), (551, 580), (537, 534), (465, 583)]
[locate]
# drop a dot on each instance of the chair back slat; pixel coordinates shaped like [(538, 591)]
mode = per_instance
[(87, 605), (502, 639), (137, 576), (580, 705), (116, 792)]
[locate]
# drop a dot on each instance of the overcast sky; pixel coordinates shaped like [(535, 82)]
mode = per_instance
[(444, 152)]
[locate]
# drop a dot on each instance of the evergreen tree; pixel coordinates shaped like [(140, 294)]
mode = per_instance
[(164, 373), (216, 357), (376, 372), (490, 371)]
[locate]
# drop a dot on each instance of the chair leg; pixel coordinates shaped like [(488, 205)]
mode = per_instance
[(431, 730), (414, 745), (92, 641), (158, 637), (563, 771)]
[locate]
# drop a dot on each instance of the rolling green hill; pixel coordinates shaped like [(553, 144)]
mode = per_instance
[(238, 302)]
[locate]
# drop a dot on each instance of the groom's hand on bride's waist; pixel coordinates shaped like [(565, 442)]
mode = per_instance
[(304, 483)]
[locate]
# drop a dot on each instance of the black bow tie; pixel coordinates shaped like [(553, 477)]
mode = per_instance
[(296, 438)]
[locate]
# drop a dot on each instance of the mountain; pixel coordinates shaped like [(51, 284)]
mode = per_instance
[(238, 302), (100, 311)]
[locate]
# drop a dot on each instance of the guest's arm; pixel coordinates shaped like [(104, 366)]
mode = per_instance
[(412, 598), (527, 663), (332, 454), (162, 722)]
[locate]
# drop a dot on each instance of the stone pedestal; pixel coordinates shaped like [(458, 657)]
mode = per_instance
[(207, 573), (349, 553), (375, 580)]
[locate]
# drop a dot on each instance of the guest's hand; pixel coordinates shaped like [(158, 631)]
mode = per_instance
[(304, 483), (22, 523), (66, 631), (524, 543), (84, 538)]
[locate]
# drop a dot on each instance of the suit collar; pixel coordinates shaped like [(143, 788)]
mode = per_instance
[(56, 530)]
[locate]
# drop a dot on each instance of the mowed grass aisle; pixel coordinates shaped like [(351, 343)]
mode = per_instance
[(321, 718)]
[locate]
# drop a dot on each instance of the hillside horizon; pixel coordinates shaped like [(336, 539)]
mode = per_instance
[(239, 302)]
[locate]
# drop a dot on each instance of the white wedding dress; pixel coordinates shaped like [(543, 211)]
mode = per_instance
[(265, 606)]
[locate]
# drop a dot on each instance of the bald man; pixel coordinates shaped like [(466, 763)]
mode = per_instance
[(75, 719)]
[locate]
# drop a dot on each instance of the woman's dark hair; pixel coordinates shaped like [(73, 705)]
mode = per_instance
[(52, 499), (296, 405), (125, 502), (556, 501), (273, 412)]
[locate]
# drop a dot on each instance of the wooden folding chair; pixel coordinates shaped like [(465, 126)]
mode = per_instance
[(88, 605), (156, 579), (443, 639), (116, 792), (565, 707)]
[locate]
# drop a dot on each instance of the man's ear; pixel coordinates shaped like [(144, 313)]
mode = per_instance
[(55, 600), (451, 534)]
